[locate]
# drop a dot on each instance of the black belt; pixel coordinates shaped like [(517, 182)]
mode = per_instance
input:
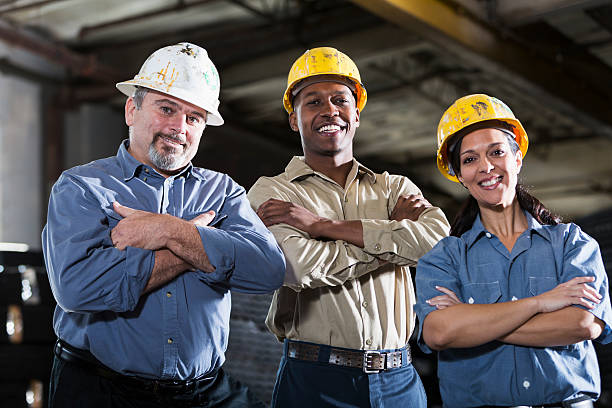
[(85, 359), (580, 402), (370, 361)]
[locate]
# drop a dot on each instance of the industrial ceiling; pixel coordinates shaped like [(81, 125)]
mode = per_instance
[(549, 60)]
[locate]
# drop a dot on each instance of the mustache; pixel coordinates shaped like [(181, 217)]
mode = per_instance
[(172, 136)]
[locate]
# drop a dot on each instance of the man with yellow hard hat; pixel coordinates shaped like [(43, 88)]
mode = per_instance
[(142, 249), (349, 236)]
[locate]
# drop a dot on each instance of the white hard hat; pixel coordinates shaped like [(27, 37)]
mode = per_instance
[(184, 71)]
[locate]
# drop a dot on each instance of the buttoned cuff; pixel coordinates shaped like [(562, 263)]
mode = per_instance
[(220, 251), (377, 236)]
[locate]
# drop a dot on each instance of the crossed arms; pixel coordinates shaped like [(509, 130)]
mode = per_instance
[(101, 258), (320, 251), (546, 320)]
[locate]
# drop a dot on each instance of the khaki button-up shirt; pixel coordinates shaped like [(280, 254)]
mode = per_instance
[(336, 293)]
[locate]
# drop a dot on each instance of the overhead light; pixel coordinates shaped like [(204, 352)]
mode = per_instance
[(14, 247)]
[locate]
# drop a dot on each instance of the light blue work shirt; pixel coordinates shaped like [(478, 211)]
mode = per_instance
[(480, 270), (179, 330)]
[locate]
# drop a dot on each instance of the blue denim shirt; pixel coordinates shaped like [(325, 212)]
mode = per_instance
[(479, 269), (181, 329)]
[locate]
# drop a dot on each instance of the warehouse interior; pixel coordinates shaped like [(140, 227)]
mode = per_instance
[(549, 60)]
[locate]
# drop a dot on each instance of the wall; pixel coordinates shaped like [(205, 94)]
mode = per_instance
[(20, 161)]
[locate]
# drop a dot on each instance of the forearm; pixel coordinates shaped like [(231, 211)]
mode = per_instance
[(183, 239), (350, 231), (314, 263), (465, 325), (404, 242), (560, 328), (167, 267)]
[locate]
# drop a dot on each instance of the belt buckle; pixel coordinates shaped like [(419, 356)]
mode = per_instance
[(368, 355)]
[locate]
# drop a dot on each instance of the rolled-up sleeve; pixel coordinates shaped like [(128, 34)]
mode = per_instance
[(582, 257), (244, 253), (439, 267), (87, 274)]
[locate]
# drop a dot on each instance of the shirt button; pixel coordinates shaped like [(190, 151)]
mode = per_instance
[(169, 341), (514, 298), (169, 294), (471, 300), (488, 234), (526, 384), (365, 303), (377, 247), (369, 342)]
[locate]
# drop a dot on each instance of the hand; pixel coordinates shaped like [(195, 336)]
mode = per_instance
[(444, 301), (140, 229), (573, 292), (204, 219), (275, 211), (409, 207)]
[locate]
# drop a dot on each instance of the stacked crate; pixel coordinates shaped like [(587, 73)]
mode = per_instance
[(26, 333)]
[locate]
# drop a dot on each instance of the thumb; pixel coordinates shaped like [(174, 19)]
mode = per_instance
[(122, 210), (204, 219)]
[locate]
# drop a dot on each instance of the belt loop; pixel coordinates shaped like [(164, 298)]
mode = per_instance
[(405, 359), (324, 352)]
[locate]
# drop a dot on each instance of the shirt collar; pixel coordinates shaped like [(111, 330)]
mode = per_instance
[(297, 168), (478, 229), (131, 166)]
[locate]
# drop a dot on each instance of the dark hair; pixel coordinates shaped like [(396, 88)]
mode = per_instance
[(469, 210)]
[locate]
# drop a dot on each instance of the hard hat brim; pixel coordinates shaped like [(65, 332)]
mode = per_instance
[(213, 117)]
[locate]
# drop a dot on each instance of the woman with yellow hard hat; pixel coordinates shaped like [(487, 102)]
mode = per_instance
[(513, 298)]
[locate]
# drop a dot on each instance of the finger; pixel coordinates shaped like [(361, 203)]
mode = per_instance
[(122, 210), (447, 291), (583, 302), (581, 279), (590, 294)]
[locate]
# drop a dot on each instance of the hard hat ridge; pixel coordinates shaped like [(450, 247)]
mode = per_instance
[(320, 62), (184, 71)]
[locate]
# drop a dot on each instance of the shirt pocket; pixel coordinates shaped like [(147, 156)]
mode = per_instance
[(481, 292), (539, 284)]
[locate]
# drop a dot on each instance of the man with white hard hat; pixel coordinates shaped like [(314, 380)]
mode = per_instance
[(143, 248), (349, 236)]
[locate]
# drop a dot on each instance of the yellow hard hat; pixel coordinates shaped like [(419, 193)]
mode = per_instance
[(324, 61), (469, 110)]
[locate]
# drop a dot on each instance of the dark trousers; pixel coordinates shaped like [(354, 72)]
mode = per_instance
[(73, 385), (311, 384)]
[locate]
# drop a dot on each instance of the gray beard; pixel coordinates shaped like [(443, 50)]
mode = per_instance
[(164, 160)]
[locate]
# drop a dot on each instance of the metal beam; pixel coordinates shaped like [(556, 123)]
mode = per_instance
[(180, 6), (85, 66), (37, 4), (473, 41)]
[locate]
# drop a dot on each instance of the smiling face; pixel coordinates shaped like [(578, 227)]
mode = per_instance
[(326, 116), (488, 167), (165, 132)]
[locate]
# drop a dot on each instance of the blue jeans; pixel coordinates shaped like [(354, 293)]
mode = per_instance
[(310, 384)]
